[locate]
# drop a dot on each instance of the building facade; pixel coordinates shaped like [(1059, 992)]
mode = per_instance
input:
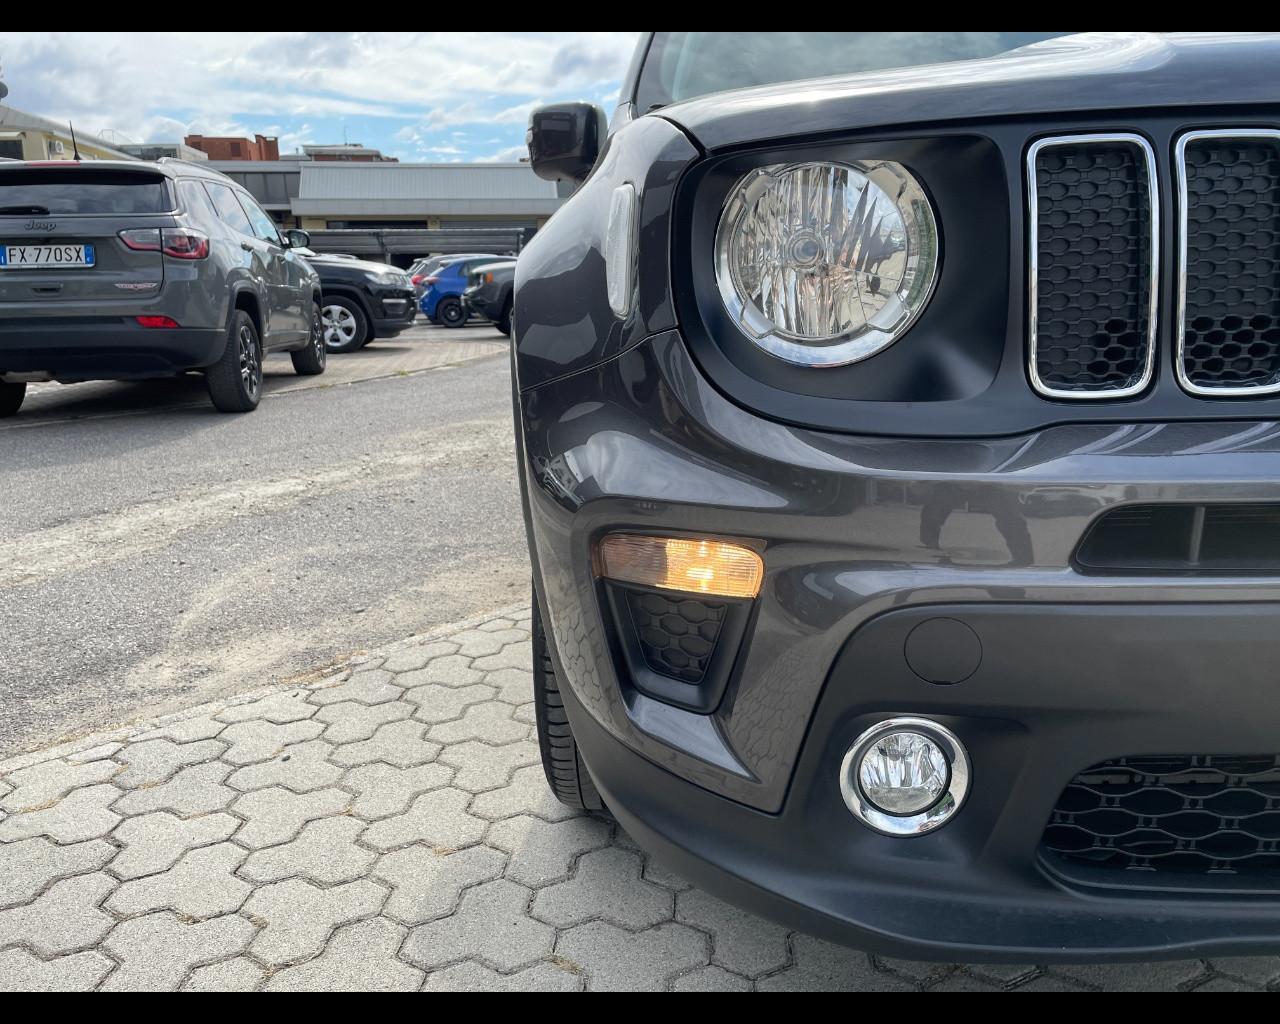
[(26, 136), (222, 147)]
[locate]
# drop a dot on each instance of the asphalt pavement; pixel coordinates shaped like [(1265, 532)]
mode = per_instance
[(155, 554)]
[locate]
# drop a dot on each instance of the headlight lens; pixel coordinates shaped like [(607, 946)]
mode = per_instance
[(824, 264), (391, 279)]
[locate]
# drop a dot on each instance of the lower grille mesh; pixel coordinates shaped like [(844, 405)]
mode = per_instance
[(677, 635), (1189, 814)]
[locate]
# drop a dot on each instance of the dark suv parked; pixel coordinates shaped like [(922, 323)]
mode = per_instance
[(362, 301), (489, 290), (902, 479), (123, 271)]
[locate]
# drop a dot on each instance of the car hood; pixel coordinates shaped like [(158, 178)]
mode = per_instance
[(1093, 71), (356, 266)]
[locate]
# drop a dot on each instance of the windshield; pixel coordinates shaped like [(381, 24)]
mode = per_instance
[(682, 65)]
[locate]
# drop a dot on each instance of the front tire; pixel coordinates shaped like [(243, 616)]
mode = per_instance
[(503, 323), (346, 328), (235, 380), (311, 361), (566, 773), (11, 396), (450, 312)]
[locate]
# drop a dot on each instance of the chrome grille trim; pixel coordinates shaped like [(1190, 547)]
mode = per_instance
[(1033, 263), (1180, 166)]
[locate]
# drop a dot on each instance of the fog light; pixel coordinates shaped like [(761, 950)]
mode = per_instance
[(905, 776), (677, 563)]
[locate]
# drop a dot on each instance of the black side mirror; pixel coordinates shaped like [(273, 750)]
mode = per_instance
[(565, 139), (297, 238)]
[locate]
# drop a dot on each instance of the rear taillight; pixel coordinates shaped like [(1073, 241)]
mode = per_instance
[(157, 321), (418, 279), (180, 243), (142, 239), (185, 244)]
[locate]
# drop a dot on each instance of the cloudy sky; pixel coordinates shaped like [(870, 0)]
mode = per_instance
[(424, 96)]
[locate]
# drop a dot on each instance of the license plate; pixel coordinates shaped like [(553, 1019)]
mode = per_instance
[(18, 257)]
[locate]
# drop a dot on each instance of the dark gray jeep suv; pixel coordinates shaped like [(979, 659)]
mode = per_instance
[(901, 468), (124, 271)]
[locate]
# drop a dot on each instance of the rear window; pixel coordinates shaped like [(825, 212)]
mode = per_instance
[(47, 192)]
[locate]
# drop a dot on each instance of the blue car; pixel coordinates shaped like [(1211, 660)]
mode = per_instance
[(442, 297)]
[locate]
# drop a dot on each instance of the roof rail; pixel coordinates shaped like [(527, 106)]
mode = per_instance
[(195, 167)]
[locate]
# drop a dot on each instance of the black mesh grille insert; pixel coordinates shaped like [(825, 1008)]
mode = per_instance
[(1093, 272), (1222, 539), (677, 634), (1196, 814), (1231, 323)]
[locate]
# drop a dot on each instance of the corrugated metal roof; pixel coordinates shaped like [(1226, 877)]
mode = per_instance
[(374, 181)]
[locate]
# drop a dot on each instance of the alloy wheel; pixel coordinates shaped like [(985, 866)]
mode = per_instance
[(339, 325), (250, 363)]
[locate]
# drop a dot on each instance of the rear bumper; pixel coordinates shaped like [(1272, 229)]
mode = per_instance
[(106, 348), (865, 539)]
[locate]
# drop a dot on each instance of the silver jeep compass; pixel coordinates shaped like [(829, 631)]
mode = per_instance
[(125, 271)]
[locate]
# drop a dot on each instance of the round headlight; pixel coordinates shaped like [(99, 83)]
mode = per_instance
[(824, 264)]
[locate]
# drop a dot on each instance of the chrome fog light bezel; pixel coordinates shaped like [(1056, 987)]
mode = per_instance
[(932, 817)]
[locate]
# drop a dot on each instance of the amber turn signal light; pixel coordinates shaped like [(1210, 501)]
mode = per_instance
[(676, 563)]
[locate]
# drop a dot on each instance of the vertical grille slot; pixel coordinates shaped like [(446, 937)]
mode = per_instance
[(1229, 286), (1094, 225)]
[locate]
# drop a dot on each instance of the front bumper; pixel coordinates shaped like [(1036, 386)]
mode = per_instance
[(104, 348), (865, 539), (393, 312)]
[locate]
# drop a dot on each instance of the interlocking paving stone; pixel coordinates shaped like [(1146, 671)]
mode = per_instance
[(438, 819), (473, 977), (489, 925), (514, 685), (258, 741), (740, 941), (482, 767), (542, 851), (1258, 970), (450, 670), (385, 790), (398, 743), (195, 790), (607, 885), (203, 727), (491, 722), (297, 916), (42, 784), (80, 815), (710, 979), (439, 704), (27, 867), (202, 884), (79, 972), (479, 643), (99, 753), (359, 958), (408, 660), (277, 815), (526, 793), (153, 761), (658, 873), (280, 708), (349, 722), (238, 975), (157, 951), (65, 919), (373, 687), (497, 625), (325, 852), (428, 884), (302, 768), (822, 966), (516, 656), (617, 960)]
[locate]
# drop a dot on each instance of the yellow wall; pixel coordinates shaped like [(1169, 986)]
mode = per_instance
[(35, 146)]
